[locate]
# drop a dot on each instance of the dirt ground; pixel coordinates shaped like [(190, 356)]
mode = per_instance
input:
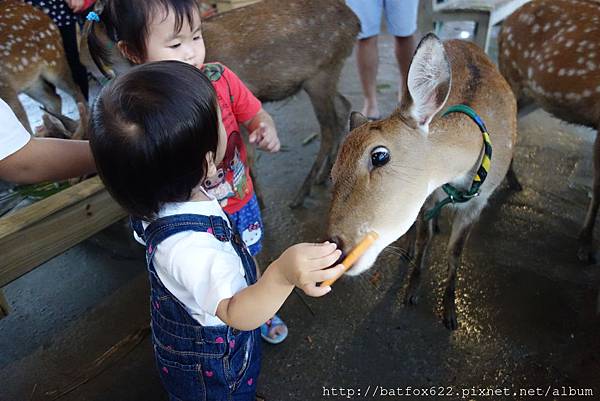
[(528, 310)]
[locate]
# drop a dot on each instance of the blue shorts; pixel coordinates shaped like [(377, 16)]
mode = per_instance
[(249, 225), (400, 16)]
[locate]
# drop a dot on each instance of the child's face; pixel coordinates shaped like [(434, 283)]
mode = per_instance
[(164, 43)]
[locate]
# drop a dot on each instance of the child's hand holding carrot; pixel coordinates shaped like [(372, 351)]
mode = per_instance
[(305, 265)]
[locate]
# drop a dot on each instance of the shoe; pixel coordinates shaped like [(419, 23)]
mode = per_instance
[(270, 325)]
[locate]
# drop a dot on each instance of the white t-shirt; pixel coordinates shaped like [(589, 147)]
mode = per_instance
[(13, 136), (196, 267)]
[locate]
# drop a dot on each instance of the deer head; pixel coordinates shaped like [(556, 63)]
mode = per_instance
[(60, 126), (386, 169)]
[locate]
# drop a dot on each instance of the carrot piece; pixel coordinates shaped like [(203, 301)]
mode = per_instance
[(353, 256)]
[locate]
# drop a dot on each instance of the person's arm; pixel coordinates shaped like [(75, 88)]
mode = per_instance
[(248, 110), (263, 132), (47, 159), (302, 265)]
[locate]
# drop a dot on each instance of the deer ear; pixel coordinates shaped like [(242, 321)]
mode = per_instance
[(53, 128), (429, 80), (357, 119)]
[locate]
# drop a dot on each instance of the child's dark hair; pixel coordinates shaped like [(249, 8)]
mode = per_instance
[(128, 20), (151, 129)]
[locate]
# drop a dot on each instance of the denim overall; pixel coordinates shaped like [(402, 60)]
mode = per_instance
[(197, 363)]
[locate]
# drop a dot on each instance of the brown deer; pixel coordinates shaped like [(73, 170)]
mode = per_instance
[(550, 55), (295, 45), (32, 59), (389, 172)]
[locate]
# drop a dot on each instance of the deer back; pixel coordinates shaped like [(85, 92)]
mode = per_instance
[(283, 39), (273, 45), (29, 42), (550, 54)]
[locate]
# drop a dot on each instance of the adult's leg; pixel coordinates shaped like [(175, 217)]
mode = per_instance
[(401, 18), (404, 49), (367, 55), (367, 58)]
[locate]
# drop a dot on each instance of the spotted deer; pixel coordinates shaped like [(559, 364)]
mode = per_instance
[(549, 52), (389, 173), (32, 59), (296, 45)]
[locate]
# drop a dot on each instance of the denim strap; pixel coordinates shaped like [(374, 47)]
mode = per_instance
[(164, 227)]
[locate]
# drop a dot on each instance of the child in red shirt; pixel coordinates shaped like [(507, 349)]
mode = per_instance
[(156, 30)]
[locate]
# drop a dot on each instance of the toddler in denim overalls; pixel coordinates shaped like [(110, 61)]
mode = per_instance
[(147, 130), (194, 360)]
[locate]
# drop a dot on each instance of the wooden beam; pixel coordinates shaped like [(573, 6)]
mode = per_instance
[(37, 233)]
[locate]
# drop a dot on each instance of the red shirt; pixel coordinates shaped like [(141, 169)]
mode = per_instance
[(232, 185)]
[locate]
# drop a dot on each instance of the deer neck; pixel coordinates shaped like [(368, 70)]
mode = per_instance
[(456, 151)]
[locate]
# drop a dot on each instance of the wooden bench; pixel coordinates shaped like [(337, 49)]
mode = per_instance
[(485, 13), (36, 233)]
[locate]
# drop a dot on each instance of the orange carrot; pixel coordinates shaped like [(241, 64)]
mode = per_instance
[(353, 256)]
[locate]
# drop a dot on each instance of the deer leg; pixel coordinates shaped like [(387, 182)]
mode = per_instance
[(61, 78), (342, 110), (512, 179), (12, 99), (424, 234), (585, 252), (461, 227), (45, 93), (324, 170), (321, 90)]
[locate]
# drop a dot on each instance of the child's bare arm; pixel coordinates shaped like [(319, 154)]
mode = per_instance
[(301, 265), (263, 132), (48, 159)]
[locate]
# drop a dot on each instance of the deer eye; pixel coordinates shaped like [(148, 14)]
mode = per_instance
[(380, 156)]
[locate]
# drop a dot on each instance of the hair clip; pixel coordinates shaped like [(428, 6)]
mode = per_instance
[(92, 16)]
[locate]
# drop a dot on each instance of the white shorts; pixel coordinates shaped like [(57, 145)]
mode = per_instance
[(400, 16)]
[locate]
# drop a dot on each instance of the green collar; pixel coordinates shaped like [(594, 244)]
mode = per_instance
[(455, 195)]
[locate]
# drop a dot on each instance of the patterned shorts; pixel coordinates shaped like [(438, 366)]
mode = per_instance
[(249, 224)]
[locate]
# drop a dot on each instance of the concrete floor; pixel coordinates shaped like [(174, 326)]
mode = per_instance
[(527, 308)]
